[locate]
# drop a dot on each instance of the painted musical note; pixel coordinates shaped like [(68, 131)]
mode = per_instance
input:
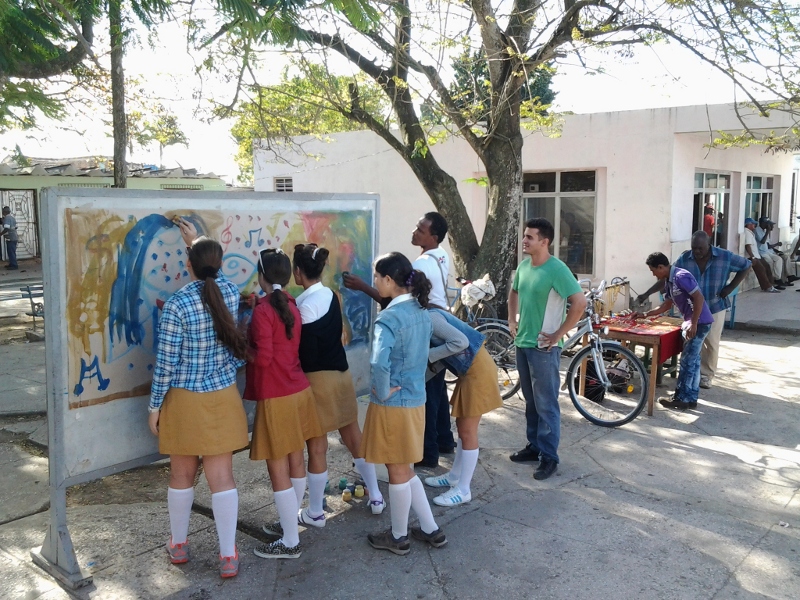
[(226, 236), (249, 242)]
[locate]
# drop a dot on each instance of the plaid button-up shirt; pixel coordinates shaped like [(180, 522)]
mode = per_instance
[(718, 270), (189, 354)]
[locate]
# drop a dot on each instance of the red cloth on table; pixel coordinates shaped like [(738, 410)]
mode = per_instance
[(671, 342)]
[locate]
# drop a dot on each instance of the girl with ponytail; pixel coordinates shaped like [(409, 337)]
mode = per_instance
[(395, 423), (324, 361), (285, 414), (195, 406)]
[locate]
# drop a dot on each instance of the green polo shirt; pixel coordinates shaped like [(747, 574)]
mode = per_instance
[(543, 293)]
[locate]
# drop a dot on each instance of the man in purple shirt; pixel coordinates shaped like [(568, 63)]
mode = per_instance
[(681, 290)]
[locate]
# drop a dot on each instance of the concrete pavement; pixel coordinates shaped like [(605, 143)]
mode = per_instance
[(701, 504)]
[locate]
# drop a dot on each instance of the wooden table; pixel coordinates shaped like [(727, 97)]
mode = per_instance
[(662, 334)]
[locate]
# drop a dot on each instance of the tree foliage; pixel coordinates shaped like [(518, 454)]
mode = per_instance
[(310, 102), (753, 43)]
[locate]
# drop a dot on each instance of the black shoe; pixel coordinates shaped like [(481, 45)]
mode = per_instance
[(10, 268), (788, 284), (676, 404), (527, 454), (779, 287), (427, 463), (545, 469), (446, 449)]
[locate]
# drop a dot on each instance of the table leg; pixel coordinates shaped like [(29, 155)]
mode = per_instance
[(651, 396)]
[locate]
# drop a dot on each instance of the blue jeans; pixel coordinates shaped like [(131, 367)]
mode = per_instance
[(540, 379), (689, 377), (11, 247), (437, 418)]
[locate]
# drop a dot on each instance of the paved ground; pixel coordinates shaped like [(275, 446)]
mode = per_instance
[(702, 504), (759, 310)]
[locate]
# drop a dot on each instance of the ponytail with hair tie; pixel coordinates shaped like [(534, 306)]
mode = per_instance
[(410, 279)]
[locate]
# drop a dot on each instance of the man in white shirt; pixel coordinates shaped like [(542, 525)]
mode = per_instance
[(769, 255), (760, 268), (435, 263), (430, 231)]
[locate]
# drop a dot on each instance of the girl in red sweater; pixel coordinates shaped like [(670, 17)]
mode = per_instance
[(285, 413)]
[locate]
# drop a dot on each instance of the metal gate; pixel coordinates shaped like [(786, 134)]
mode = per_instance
[(23, 207)]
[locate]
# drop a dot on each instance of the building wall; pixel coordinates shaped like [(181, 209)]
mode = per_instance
[(645, 162)]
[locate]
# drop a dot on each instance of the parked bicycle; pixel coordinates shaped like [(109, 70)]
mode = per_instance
[(606, 381), (472, 312)]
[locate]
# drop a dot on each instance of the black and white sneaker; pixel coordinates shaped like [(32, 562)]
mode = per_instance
[(277, 550), (274, 528)]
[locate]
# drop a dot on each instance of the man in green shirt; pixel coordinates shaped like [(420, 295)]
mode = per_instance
[(542, 286)]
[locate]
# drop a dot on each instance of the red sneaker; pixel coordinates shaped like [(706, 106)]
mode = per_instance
[(178, 553), (229, 565)]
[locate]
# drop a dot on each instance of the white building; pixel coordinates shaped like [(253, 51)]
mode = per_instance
[(617, 186)]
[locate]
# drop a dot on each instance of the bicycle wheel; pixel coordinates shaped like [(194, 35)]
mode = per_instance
[(500, 346), (626, 394), (484, 310)]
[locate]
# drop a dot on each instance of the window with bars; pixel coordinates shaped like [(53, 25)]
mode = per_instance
[(567, 199), (181, 186), (284, 184), (712, 199), (758, 198)]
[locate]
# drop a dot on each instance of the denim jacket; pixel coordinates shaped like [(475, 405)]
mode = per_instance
[(458, 363), (400, 353)]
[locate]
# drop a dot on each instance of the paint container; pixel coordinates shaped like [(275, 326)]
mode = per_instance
[(342, 483), (359, 493), (347, 496), (352, 488), (327, 487)]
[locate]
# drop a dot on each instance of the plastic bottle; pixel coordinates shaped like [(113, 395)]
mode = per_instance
[(359, 493), (346, 495)]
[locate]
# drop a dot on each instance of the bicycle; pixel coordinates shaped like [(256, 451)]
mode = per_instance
[(482, 311), (607, 382)]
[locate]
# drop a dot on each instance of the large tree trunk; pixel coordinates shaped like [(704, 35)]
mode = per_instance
[(118, 94), (499, 246)]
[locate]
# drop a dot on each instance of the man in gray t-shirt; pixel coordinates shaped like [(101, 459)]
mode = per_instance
[(10, 232)]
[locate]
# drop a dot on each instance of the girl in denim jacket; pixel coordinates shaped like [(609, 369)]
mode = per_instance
[(460, 348), (395, 423)]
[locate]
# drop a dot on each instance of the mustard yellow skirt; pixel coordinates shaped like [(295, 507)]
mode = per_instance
[(393, 435), (202, 423), (282, 425), (477, 393), (335, 398)]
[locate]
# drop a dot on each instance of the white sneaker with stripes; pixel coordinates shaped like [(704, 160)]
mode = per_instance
[(452, 497)]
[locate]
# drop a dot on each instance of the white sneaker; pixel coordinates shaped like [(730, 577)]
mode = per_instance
[(441, 481), (377, 506), (305, 518), (452, 497)]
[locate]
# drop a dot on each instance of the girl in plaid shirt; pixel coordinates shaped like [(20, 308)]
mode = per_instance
[(195, 406)]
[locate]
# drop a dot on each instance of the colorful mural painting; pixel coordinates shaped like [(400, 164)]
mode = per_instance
[(122, 264)]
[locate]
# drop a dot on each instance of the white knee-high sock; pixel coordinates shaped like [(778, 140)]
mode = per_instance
[(469, 460), (367, 472), (226, 509), (299, 485), (455, 470), (400, 505), (179, 503), (286, 503), (419, 502), (316, 492)]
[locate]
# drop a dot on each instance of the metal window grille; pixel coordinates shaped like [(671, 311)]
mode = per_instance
[(284, 184)]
